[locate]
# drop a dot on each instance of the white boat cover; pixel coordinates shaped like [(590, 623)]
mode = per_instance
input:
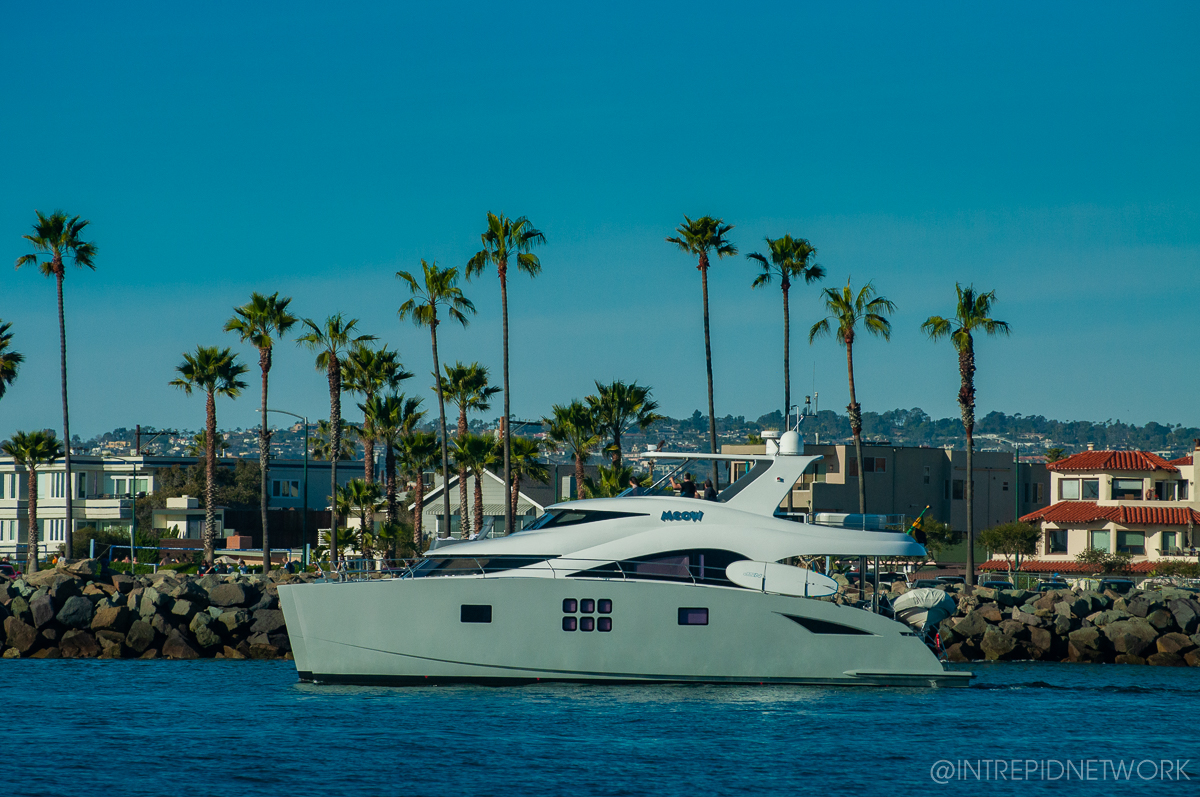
[(924, 607)]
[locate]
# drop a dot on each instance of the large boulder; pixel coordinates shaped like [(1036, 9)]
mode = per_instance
[(267, 621), (75, 613), (1131, 636), (1186, 613), (1073, 607), (972, 626), (231, 594), (112, 618), (1161, 619), (124, 584), (42, 609), (191, 592), (1174, 643), (996, 644), (19, 608), (1166, 660), (264, 652), (201, 628), (112, 644), (1143, 604), (66, 588), (79, 644), (184, 610), (1108, 616), (85, 568), (176, 647), (1040, 640), (1095, 601), (19, 635), (236, 622), (1063, 624), (1026, 619), (140, 636)]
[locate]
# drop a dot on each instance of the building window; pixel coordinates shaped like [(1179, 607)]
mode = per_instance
[(1056, 541), (1068, 490), (1004, 486), (1100, 540), (1039, 493), (1132, 542), (927, 474), (959, 485), (874, 465), (11, 485), (851, 467), (1170, 542), (1183, 491), (1091, 489), (1127, 489), (285, 489)]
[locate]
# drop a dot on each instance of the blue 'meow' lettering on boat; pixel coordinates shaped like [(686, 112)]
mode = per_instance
[(694, 516)]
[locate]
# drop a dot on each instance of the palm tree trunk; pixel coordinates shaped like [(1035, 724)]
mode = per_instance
[(418, 509), (62, 357), (787, 362), (516, 491), (368, 445), (389, 475), (579, 493), (712, 418), (264, 455), (855, 414), (210, 478), (335, 438), (478, 502), (462, 469), (508, 512), (437, 368), (966, 400), (616, 455), (32, 543)]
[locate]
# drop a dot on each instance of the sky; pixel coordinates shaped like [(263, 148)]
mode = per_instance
[(1044, 151)]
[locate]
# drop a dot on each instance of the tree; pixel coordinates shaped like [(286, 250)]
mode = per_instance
[(331, 340), (391, 417), (503, 238), (971, 315), (57, 238), (617, 407), (847, 310), (365, 498), (1012, 541), (259, 322), (474, 454), (437, 289), (1054, 454), (938, 536), (1104, 561), (10, 361), (215, 371), (368, 371), (199, 444), (31, 450), (466, 386), (418, 453), (573, 427), (787, 259), (321, 447), (525, 465), (612, 481)]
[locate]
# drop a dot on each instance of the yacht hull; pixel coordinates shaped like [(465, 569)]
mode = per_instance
[(416, 631)]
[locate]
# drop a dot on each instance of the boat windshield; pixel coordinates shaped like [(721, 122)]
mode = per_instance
[(471, 565), (573, 517)]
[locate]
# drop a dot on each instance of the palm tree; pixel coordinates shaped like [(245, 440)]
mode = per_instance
[(10, 361), (331, 340), (466, 386), (258, 322), (199, 444), (57, 237), (367, 498), (31, 450), (612, 481), (320, 447), (438, 288), (504, 238), (391, 417), (418, 453), (215, 371), (788, 259), (369, 371), (846, 310), (699, 238), (617, 407), (474, 454), (573, 427), (972, 314), (525, 464)]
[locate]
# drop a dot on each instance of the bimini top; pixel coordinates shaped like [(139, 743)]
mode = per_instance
[(742, 520)]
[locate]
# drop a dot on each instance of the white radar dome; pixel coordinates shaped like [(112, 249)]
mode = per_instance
[(789, 444)]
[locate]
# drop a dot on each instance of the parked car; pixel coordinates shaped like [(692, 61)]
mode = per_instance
[(1118, 585), (951, 580), (927, 583), (1047, 586), (9, 571), (997, 583)]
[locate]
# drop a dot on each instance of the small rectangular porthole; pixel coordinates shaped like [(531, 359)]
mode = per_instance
[(693, 616), (476, 613)]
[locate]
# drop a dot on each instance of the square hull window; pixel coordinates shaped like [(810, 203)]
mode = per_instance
[(587, 623), (569, 623)]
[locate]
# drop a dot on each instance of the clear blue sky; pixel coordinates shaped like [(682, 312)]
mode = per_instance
[(1048, 151)]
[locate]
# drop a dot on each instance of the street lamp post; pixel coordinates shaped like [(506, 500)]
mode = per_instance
[(304, 489)]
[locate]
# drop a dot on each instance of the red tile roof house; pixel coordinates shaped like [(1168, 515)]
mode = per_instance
[(1130, 501)]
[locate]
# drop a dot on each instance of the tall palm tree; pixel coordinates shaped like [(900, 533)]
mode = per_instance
[(972, 314), (700, 238), (418, 453), (847, 310), (466, 386), (391, 417), (215, 371), (31, 450), (525, 465), (474, 454), (57, 237), (321, 448), (505, 238), (368, 371), (199, 444), (259, 322), (617, 407), (365, 498), (438, 288), (10, 361), (787, 259), (331, 340), (573, 427)]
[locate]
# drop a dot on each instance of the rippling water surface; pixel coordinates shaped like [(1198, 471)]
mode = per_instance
[(249, 728)]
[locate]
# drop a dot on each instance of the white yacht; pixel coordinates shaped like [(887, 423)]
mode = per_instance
[(634, 589)]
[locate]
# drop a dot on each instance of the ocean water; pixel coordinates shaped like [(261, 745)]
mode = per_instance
[(250, 728)]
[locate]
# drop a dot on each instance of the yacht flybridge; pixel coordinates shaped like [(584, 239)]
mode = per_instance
[(633, 589)]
